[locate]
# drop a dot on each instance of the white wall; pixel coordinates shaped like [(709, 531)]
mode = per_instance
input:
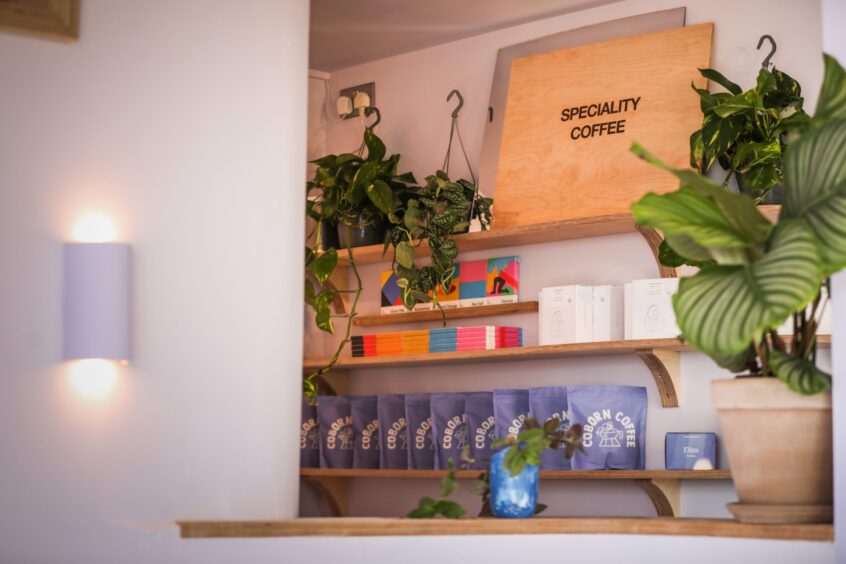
[(411, 93), (185, 121)]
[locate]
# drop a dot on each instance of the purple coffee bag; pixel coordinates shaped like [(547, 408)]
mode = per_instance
[(309, 437), (614, 426), (449, 427), (337, 440), (511, 407), (551, 403), (421, 444), (481, 428), (393, 432), (365, 422)]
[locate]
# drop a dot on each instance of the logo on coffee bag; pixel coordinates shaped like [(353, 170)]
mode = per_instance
[(517, 424), (423, 439), (309, 434), (397, 435), (485, 433), (370, 436), (455, 431), (605, 427), (341, 434)]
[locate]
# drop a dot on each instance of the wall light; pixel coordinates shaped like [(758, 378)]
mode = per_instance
[(97, 305)]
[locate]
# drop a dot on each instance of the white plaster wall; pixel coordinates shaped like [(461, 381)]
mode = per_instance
[(185, 121), (411, 94)]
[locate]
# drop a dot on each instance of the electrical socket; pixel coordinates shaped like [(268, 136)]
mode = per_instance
[(369, 88)]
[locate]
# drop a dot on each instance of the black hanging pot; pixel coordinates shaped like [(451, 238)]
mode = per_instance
[(361, 230), (328, 236)]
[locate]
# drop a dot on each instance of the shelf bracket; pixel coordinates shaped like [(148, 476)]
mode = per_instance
[(332, 490), (665, 495), (666, 369), (654, 240)]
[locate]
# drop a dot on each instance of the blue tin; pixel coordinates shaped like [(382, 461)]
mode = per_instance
[(513, 497)]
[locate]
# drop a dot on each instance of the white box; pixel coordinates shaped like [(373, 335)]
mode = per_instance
[(627, 311), (566, 315), (652, 315), (607, 313)]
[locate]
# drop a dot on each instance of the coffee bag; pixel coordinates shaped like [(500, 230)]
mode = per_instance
[(613, 419), (337, 440), (511, 407), (309, 437), (450, 428), (551, 403), (393, 431), (421, 444), (481, 427), (365, 421)]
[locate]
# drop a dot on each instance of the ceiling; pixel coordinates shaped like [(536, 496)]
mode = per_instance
[(350, 32)]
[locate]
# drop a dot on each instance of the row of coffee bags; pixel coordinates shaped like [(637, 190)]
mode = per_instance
[(423, 431)]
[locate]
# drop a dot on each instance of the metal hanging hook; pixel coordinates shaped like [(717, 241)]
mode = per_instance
[(460, 102), (766, 62), (375, 110)]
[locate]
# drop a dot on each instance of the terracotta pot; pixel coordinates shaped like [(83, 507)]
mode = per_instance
[(779, 449)]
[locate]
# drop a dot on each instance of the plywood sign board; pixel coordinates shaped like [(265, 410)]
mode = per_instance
[(572, 115)]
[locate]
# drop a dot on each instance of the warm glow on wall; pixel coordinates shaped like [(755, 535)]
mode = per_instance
[(94, 227), (93, 378)]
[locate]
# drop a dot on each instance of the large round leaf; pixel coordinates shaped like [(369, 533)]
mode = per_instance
[(832, 100), (815, 174), (800, 375), (722, 309)]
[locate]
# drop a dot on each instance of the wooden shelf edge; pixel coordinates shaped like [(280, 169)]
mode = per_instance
[(386, 527), (536, 352), (435, 315), (545, 474)]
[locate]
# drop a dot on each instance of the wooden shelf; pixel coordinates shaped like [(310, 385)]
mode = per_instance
[(435, 314), (381, 527), (544, 474), (662, 486), (661, 357), (532, 235)]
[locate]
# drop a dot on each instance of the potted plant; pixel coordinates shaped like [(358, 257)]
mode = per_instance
[(432, 213), (510, 488), (356, 193), (747, 132), (776, 420)]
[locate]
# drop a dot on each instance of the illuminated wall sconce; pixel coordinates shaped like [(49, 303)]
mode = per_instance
[(97, 310)]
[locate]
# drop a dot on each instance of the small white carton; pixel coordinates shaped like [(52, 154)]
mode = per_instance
[(607, 313), (627, 311), (652, 315), (566, 315)]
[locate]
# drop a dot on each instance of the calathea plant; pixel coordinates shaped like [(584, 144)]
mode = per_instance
[(345, 188), (747, 132), (754, 275), (525, 448), (432, 214)]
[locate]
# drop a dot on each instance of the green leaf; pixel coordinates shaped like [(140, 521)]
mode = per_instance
[(375, 147), (323, 266), (449, 483), (760, 178), (668, 257), (450, 509), (737, 363), (381, 195), (347, 158), (425, 509), (832, 100), (404, 254), (540, 508), (800, 375), (815, 188), (722, 309), (750, 154), (309, 293), (407, 178), (717, 77), (736, 104), (765, 85), (411, 218), (323, 319), (363, 178)]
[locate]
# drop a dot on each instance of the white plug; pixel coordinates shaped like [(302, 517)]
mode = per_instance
[(361, 100), (344, 106)]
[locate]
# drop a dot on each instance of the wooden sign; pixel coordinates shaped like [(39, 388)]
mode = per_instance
[(572, 115)]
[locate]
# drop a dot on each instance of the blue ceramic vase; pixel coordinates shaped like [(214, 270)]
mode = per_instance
[(513, 497)]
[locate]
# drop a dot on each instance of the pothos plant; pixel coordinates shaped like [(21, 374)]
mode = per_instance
[(524, 449), (755, 275), (433, 214), (747, 132), (345, 186)]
